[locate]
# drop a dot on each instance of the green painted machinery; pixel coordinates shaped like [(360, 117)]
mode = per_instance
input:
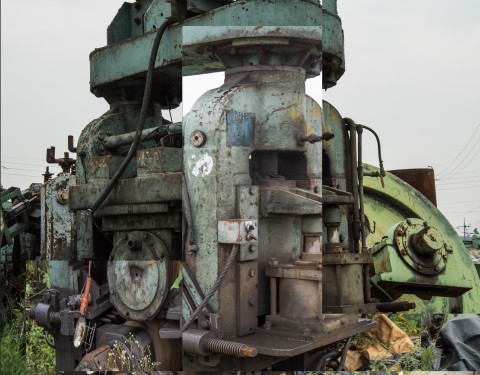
[(248, 236)]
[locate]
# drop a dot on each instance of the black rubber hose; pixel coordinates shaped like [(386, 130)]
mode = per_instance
[(381, 290), (141, 119), (344, 354), (328, 355)]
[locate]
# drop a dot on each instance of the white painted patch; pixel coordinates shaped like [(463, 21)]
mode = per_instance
[(203, 166)]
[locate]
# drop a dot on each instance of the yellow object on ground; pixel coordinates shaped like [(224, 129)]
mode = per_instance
[(386, 340)]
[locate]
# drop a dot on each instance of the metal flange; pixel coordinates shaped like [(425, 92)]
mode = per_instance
[(420, 246)]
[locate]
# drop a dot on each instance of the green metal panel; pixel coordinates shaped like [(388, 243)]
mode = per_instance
[(128, 58), (385, 207)]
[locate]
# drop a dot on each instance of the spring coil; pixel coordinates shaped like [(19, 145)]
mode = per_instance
[(225, 347)]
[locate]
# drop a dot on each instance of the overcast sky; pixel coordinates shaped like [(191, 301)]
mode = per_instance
[(413, 74)]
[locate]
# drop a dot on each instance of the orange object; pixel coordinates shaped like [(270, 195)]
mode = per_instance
[(84, 300)]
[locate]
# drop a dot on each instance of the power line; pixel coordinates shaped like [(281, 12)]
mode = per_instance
[(461, 187), (22, 169), (24, 175), (30, 164), (456, 178), (468, 162), (459, 182), (461, 152), (20, 157), (460, 202)]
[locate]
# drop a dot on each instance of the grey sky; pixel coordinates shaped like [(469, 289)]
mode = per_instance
[(413, 74)]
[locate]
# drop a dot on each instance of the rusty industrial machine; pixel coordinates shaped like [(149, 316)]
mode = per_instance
[(250, 235)]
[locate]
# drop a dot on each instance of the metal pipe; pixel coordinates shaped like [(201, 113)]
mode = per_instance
[(71, 146), (379, 147), (366, 269), (114, 141), (360, 187), (273, 296), (353, 161)]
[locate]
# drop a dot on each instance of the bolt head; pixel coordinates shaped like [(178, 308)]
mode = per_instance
[(273, 261)]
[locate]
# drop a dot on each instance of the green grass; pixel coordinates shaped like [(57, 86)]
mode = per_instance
[(12, 347)]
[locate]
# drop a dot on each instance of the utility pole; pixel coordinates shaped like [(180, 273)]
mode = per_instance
[(464, 226)]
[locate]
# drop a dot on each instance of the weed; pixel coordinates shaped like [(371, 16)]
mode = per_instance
[(130, 357), (12, 347)]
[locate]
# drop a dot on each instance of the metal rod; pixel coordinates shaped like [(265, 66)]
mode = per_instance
[(114, 141), (360, 187), (353, 163), (273, 296)]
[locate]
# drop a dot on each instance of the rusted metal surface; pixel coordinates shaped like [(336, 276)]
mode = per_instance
[(159, 160), (139, 275), (238, 231), (247, 297), (422, 179), (57, 220), (155, 190)]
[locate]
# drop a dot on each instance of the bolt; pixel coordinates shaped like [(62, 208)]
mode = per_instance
[(252, 248), (273, 261), (425, 224), (252, 302), (419, 267), (249, 227), (409, 222), (205, 324), (251, 273), (193, 249), (403, 252), (436, 269)]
